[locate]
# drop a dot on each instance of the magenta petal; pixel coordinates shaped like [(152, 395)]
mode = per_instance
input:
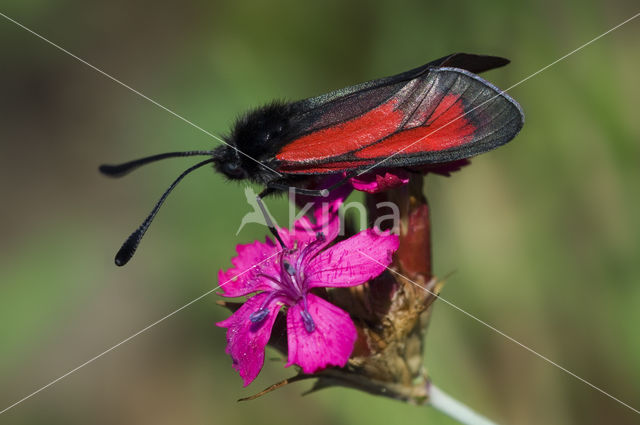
[(327, 222), (324, 211), (250, 262), (246, 340), (330, 344), (303, 231), (352, 261), (328, 219), (377, 181)]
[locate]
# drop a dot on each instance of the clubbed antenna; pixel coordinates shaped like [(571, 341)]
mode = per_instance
[(131, 244)]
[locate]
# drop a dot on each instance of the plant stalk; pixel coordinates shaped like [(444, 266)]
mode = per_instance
[(451, 407)]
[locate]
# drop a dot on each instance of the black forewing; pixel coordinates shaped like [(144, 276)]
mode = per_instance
[(347, 103), (484, 118)]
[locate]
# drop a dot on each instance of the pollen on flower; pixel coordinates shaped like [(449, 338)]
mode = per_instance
[(259, 315)]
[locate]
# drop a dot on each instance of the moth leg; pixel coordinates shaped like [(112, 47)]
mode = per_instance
[(267, 217), (297, 190), (309, 192)]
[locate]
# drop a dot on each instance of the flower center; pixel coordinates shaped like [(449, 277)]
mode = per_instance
[(292, 282), (290, 285), (288, 268), (298, 286)]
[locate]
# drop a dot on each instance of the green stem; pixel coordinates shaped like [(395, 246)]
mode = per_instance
[(451, 407)]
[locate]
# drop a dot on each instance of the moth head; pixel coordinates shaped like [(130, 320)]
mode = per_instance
[(228, 161)]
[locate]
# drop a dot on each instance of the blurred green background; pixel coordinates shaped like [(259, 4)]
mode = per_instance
[(543, 233)]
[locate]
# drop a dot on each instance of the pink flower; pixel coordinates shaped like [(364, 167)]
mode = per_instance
[(379, 180), (319, 334)]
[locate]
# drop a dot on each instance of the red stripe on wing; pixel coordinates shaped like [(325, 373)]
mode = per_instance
[(448, 128), (331, 167), (346, 137)]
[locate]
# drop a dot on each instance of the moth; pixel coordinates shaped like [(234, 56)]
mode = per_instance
[(437, 113)]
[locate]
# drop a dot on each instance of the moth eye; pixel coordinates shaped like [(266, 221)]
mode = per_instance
[(232, 169)]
